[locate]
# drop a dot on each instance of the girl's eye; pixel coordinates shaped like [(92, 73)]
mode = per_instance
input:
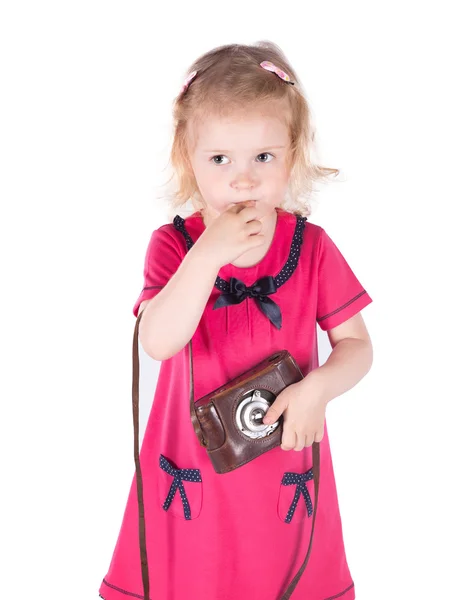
[(266, 154), (219, 156)]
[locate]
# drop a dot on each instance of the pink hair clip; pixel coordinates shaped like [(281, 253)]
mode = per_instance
[(271, 67), (187, 82), (265, 65)]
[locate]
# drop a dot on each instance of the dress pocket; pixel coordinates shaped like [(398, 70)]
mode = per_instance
[(296, 497), (180, 490)]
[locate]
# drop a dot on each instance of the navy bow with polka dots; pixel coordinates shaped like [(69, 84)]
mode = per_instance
[(300, 481), (238, 291), (179, 475)]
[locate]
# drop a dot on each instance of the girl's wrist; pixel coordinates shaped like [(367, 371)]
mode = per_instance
[(317, 384)]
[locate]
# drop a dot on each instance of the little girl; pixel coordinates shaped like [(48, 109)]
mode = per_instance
[(244, 276)]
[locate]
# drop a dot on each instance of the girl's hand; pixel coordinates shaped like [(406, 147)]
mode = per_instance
[(232, 233), (304, 409)]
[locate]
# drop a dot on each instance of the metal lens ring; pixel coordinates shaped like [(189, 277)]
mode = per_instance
[(250, 412)]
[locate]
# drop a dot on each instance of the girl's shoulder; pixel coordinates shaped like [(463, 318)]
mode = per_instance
[(312, 233), (180, 232)]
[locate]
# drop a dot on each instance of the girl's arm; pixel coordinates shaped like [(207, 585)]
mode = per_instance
[(350, 360), (172, 316), (304, 403)]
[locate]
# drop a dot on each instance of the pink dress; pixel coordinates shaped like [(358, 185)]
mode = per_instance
[(243, 534)]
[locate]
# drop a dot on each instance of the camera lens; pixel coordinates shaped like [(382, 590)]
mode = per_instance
[(251, 411), (256, 416)]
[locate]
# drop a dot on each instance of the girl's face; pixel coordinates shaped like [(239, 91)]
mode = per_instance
[(241, 158)]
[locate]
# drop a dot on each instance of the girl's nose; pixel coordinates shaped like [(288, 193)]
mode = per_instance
[(243, 182)]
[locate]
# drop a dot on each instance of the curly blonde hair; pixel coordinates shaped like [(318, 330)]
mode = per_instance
[(230, 80)]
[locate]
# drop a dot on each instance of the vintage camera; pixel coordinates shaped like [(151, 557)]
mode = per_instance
[(228, 421)]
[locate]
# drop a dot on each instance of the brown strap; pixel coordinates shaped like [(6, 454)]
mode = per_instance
[(316, 478), (193, 414), (139, 479)]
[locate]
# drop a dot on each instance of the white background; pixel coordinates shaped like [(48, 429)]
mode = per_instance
[(85, 134)]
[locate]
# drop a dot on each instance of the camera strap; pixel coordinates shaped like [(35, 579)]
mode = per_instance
[(139, 479)]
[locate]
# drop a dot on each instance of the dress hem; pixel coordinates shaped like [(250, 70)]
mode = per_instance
[(134, 595)]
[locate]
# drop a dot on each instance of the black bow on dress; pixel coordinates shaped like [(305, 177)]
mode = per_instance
[(259, 290), (298, 479)]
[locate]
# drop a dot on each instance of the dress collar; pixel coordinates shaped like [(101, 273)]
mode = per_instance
[(235, 291)]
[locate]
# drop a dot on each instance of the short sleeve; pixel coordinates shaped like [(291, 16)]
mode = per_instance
[(163, 257), (340, 294)]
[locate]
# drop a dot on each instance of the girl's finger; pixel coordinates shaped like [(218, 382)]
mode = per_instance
[(309, 440), (300, 442), (289, 439)]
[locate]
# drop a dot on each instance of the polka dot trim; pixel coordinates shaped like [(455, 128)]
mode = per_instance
[(294, 255), (179, 224), (179, 475), (298, 479), (285, 273)]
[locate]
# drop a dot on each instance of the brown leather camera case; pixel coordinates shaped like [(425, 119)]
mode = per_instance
[(227, 446)]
